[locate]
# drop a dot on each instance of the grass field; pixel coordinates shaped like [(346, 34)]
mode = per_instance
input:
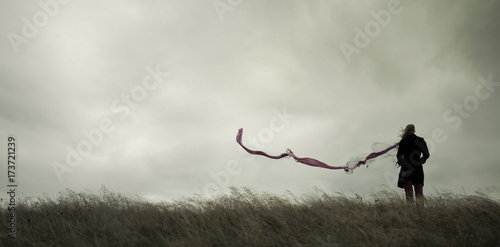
[(248, 218)]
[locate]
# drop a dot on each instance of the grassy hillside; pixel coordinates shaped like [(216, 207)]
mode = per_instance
[(248, 218)]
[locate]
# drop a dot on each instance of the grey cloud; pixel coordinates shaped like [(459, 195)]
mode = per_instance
[(232, 73)]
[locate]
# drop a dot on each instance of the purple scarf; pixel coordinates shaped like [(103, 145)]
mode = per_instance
[(311, 161)]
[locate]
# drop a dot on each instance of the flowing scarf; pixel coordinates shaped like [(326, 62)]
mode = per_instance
[(311, 161)]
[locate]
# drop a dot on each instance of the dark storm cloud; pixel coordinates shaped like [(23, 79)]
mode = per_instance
[(262, 57)]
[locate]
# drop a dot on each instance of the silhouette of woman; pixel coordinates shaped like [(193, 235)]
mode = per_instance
[(412, 154)]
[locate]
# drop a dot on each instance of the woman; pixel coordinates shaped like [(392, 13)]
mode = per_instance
[(412, 154)]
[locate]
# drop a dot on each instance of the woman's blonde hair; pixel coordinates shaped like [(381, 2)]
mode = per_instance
[(409, 129)]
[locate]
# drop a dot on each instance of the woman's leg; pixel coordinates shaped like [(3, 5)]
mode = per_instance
[(408, 190), (419, 193)]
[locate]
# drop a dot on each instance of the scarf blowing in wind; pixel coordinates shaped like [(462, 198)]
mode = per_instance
[(314, 162)]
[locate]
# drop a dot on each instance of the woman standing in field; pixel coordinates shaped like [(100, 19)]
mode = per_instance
[(412, 154)]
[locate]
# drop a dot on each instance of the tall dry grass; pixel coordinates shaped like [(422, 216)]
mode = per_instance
[(248, 218)]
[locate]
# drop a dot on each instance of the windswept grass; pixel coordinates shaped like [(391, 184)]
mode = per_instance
[(247, 218)]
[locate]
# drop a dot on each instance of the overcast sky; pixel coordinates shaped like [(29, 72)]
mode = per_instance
[(146, 97)]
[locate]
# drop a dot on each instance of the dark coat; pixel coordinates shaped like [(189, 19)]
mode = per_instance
[(412, 154)]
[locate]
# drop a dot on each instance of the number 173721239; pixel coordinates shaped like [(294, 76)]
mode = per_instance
[(11, 159)]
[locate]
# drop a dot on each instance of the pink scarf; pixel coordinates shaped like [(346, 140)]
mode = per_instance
[(311, 161)]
